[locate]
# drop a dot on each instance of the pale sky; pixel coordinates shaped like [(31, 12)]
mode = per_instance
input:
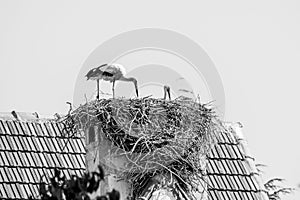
[(255, 47)]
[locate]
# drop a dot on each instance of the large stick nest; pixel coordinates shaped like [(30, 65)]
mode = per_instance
[(154, 135)]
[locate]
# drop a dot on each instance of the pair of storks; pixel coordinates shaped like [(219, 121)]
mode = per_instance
[(113, 73)]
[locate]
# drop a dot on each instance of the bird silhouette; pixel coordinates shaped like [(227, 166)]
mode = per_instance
[(111, 73)]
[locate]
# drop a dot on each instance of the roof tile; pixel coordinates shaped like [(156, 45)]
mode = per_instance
[(11, 128), (57, 147), (9, 191), (219, 195), (241, 167), (55, 129), (39, 130), (227, 195), (212, 195), (233, 183), (4, 158), (3, 175), (233, 195), (16, 191), (5, 125), (81, 159), (219, 151), (2, 129), (8, 174), (224, 150), (2, 145), (11, 143), (232, 166), (243, 195), (6, 143), (220, 138), (22, 191), (27, 189), (31, 129), (2, 191), (34, 188), (255, 184), (19, 142), (224, 164), (212, 183), (37, 159), (18, 175), (48, 129), (24, 128)]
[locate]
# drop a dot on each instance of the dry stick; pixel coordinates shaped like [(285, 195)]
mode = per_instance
[(172, 173), (182, 192), (131, 152)]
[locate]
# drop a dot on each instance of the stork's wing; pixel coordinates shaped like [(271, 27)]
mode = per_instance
[(107, 74), (107, 70), (114, 69)]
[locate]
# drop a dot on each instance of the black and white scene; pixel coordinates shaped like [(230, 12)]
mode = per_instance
[(149, 100)]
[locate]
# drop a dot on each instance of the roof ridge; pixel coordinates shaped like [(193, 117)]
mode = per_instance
[(27, 116)]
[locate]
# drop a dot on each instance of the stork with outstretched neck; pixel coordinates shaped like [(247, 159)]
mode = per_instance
[(111, 73)]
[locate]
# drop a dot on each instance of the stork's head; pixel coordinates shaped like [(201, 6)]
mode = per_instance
[(90, 73), (132, 79), (93, 73)]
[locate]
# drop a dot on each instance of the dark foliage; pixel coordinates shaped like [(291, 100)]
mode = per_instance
[(273, 187), (76, 188), (274, 190)]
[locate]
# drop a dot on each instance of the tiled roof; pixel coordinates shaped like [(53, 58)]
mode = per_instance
[(231, 171), (32, 148)]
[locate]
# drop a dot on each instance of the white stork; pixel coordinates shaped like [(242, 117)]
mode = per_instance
[(111, 73)]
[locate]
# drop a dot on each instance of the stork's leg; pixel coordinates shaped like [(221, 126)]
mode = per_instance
[(167, 90), (113, 88), (137, 91), (169, 93), (97, 90)]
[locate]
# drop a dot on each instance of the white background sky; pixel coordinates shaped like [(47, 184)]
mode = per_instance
[(255, 47)]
